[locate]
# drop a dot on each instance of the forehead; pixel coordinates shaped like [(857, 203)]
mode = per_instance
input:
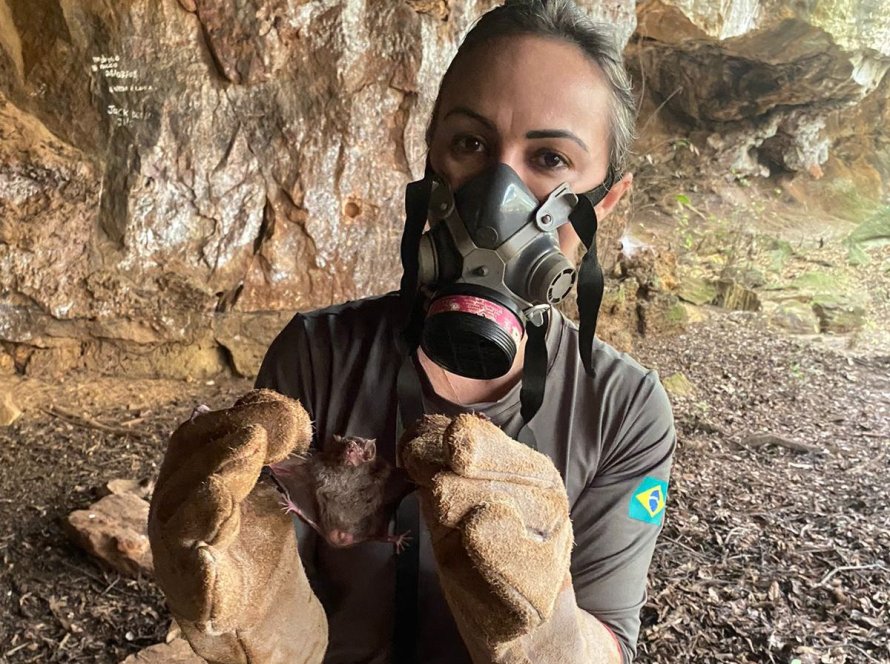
[(528, 82)]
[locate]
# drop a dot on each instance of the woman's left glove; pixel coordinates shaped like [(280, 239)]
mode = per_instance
[(498, 516)]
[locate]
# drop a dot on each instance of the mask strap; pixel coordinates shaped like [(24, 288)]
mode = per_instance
[(534, 378), (417, 199), (599, 193), (590, 278)]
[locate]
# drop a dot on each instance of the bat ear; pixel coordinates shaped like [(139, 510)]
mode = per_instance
[(370, 449)]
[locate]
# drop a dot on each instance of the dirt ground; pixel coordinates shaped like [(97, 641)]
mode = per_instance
[(768, 555)]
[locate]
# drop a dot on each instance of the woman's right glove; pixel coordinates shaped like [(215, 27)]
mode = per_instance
[(225, 554)]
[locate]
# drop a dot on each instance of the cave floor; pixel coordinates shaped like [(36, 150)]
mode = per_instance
[(769, 554)]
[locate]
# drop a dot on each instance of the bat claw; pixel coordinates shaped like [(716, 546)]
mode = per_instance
[(288, 506), (401, 542)]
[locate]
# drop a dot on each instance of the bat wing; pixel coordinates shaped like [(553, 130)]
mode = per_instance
[(296, 482)]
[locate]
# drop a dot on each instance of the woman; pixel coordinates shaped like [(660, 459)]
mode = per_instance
[(538, 92)]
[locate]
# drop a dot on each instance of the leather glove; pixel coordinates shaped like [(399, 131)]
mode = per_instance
[(225, 554), (498, 517)]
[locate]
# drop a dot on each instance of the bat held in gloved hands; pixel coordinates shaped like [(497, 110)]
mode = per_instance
[(224, 553)]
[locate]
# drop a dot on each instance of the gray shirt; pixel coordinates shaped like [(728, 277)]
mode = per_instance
[(611, 437)]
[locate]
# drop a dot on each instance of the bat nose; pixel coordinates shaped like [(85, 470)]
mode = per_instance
[(340, 538)]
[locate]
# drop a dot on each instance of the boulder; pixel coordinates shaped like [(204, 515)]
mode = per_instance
[(662, 314), (697, 290), (795, 317), (114, 530), (733, 295), (678, 385), (838, 315), (654, 269)]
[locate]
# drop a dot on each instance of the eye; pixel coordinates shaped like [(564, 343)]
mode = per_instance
[(550, 161), (467, 144)]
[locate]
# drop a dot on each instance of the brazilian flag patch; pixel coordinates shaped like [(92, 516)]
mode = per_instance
[(648, 500)]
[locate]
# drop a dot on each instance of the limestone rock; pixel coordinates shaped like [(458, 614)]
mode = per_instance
[(838, 315), (678, 385), (738, 64), (795, 317), (247, 336), (733, 295), (799, 144), (114, 530), (773, 79), (178, 651), (695, 314), (122, 486), (9, 412), (653, 269), (697, 290), (662, 314), (874, 231), (7, 364), (618, 323)]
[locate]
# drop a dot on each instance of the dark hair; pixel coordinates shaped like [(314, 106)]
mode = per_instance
[(563, 20)]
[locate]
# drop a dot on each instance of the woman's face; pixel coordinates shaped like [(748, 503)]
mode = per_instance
[(538, 105)]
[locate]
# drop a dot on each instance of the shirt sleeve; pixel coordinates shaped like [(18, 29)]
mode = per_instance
[(619, 514)]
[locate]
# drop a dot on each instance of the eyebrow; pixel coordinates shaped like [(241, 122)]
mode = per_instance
[(535, 133), (556, 133), (463, 110)]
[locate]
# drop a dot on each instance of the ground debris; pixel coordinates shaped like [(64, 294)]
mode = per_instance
[(772, 552)]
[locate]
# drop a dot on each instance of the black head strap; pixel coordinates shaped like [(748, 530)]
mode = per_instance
[(599, 193), (591, 283), (417, 199), (534, 378)]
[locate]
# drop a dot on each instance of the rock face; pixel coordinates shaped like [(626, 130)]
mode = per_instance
[(178, 176), (767, 78)]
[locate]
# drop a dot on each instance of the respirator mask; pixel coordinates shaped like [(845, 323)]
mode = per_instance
[(488, 270)]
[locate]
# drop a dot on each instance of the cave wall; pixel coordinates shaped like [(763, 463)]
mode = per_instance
[(177, 177), (772, 85)]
